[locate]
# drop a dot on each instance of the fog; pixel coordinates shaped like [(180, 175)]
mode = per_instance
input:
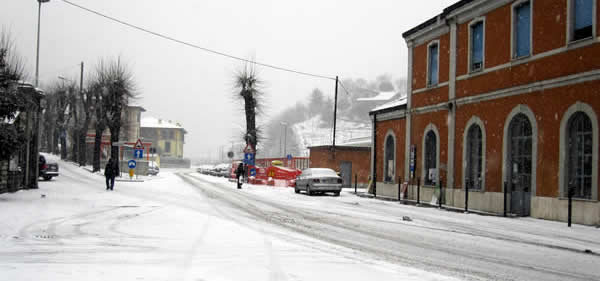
[(349, 39)]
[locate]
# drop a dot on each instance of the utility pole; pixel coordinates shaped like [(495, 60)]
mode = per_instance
[(335, 111)]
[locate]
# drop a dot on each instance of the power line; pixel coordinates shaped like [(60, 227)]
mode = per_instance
[(342, 84), (196, 46)]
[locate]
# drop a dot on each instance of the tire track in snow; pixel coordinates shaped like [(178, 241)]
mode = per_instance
[(308, 226)]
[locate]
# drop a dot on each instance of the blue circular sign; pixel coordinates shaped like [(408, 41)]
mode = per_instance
[(252, 172), (131, 164)]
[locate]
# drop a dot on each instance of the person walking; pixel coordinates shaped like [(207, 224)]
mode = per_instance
[(238, 173), (110, 172)]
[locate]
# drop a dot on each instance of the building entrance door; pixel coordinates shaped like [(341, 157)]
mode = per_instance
[(346, 174), (520, 165)]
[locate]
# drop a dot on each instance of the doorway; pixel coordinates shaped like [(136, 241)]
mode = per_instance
[(520, 164), (346, 174)]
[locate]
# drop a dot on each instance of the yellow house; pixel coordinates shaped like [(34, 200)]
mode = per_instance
[(167, 137)]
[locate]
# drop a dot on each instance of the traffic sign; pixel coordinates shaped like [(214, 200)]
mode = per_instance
[(289, 157), (249, 158), (138, 153), (248, 149), (131, 164), (139, 144), (252, 172)]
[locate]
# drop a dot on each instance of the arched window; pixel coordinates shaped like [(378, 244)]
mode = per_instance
[(474, 158), (389, 166), (580, 154), (430, 160)]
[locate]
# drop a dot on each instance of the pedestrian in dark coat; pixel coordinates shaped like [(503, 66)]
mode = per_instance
[(110, 173), (238, 173)]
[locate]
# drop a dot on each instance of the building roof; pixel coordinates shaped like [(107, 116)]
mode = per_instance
[(390, 106), (382, 96), (351, 144), (151, 122), (438, 17)]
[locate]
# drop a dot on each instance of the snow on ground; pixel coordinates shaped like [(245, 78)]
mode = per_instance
[(468, 246), (165, 229)]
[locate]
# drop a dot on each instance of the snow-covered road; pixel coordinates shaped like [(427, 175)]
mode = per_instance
[(186, 226)]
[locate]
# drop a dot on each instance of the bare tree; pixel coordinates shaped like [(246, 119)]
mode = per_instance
[(118, 88), (62, 117), (100, 120), (87, 102), (248, 89)]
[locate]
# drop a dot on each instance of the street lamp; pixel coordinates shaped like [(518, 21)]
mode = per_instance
[(37, 56)]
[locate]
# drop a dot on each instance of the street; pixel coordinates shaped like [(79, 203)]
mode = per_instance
[(182, 225)]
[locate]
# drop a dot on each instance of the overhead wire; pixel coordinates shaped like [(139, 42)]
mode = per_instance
[(197, 46)]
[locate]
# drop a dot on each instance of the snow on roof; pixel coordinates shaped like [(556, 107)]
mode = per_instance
[(383, 96), (151, 122), (395, 103), (358, 142)]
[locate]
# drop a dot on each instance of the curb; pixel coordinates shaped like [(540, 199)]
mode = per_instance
[(428, 205)]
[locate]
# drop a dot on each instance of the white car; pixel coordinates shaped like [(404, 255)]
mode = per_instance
[(319, 180)]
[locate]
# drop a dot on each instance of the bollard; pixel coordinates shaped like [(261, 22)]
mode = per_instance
[(355, 183), (467, 196), (399, 188), (571, 191), (375, 187), (418, 191), (440, 199), (505, 194)]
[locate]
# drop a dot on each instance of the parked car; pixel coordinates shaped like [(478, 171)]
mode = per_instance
[(321, 180), (153, 168), (48, 170)]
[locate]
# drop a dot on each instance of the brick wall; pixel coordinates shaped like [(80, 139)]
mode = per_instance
[(322, 157), (398, 127)]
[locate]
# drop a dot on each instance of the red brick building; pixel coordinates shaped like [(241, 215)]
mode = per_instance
[(502, 93), (350, 161)]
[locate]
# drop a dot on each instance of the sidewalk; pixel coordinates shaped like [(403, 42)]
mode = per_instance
[(526, 230)]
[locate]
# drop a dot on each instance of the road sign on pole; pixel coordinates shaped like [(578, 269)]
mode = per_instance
[(139, 144), (249, 158), (138, 153), (131, 164)]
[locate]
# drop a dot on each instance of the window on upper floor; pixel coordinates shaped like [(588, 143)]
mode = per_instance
[(433, 64), (582, 19), (477, 46), (522, 29)]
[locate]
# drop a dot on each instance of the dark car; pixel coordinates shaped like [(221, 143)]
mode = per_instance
[(48, 170)]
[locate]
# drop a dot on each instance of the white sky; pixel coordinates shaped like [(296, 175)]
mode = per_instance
[(349, 38)]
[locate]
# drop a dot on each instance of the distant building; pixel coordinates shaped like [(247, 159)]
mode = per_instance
[(131, 131), (167, 138)]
